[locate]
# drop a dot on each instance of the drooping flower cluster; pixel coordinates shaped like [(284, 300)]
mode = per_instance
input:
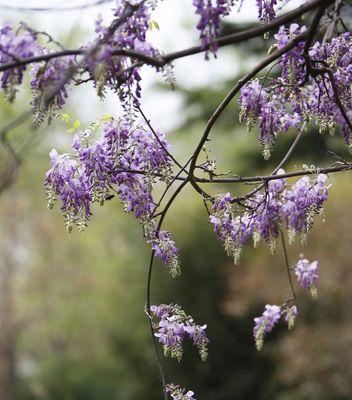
[(319, 97), (107, 63), (270, 317), (257, 103), (15, 44), (265, 323), (210, 12), (178, 393), (124, 160), (295, 97), (280, 206), (293, 69), (166, 250), (48, 80), (174, 326), (266, 10), (103, 59), (290, 316), (307, 275), (49, 84)]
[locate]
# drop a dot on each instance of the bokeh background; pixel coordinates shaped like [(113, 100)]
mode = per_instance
[(72, 321)]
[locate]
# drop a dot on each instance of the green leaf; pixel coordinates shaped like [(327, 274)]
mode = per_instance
[(63, 117), (106, 117)]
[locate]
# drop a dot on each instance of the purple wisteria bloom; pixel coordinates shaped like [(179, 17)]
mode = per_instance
[(125, 160), (258, 104), (174, 326), (105, 65), (266, 10), (290, 316), (15, 44), (178, 393), (292, 62), (210, 12), (270, 317), (166, 250), (49, 84), (265, 323), (293, 207), (307, 275), (295, 97), (72, 189)]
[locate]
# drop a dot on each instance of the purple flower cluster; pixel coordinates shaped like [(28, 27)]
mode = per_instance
[(210, 12), (49, 85), (303, 202), (294, 97), (292, 63), (270, 317), (279, 206), (266, 10), (174, 326), (317, 97), (307, 275), (256, 103), (178, 393), (49, 80), (166, 250), (15, 44), (124, 160), (105, 65)]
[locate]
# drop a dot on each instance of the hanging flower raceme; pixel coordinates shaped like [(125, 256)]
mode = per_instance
[(174, 327), (337, 57), (292, 63), (233, 230), (307, 275), (270, 317), (266, 10), (15, 44), (265, 324), (290, 316), (178, 393), (126, 159), (210, 12), (258, 103), (49, 83), (295, 96), (166, 250), (293, 208), (107, 63)]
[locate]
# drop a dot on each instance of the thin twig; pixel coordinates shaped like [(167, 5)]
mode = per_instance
[(287, 265)]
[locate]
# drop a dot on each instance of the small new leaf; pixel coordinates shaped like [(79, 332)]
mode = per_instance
[(63, 117)]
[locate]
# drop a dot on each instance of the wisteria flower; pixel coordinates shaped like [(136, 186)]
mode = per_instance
[(307, 275), (174, 326), (265, 323), (178, 393)]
